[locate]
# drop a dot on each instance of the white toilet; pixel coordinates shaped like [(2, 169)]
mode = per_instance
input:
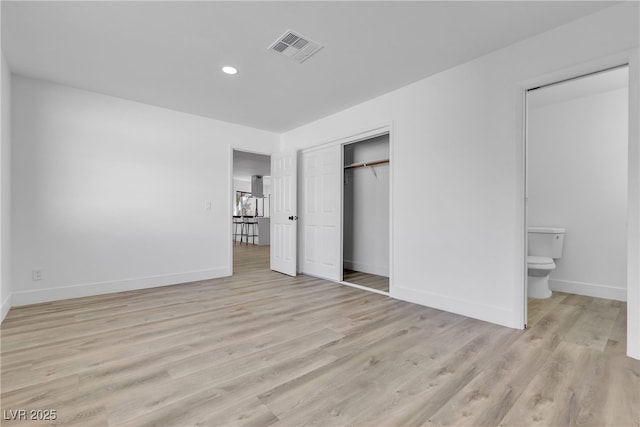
[(545, 245)]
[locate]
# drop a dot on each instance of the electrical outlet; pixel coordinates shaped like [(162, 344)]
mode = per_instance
[(36, 275)]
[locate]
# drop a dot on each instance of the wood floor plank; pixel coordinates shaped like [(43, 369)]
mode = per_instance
[(550, 399), (486, 399), (162, 404), (348, 383), (264, 349), (368, 280), (610, 395), (248, 413), (416, 401), (538, 308)]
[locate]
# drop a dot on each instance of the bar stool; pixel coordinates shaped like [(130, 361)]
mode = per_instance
[(238, 227), (249, 229)]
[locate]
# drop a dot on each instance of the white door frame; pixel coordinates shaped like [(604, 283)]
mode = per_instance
[(231, 200), (630, 58)]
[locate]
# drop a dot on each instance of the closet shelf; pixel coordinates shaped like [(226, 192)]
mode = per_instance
[(365, 164)]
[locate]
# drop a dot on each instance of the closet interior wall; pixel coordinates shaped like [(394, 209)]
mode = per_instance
[(366, 206)]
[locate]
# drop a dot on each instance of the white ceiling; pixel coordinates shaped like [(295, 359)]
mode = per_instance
[(577, 88), (245, 165), (169, 54)]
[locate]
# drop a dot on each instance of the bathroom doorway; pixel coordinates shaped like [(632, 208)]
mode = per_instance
[(576, 181)]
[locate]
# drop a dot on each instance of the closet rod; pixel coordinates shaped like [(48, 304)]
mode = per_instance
[(365, 164)]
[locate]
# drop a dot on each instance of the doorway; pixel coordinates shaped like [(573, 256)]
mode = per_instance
[(576, 191), (251, 209), (365, 213)]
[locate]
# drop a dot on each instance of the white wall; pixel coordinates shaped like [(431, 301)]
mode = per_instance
[(241, 185), (366, 208), (577, 171), (457, 133), (110, 194), (376, 148), (5, 191)]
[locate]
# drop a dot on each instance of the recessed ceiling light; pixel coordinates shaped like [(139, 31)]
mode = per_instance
[(229, 70)]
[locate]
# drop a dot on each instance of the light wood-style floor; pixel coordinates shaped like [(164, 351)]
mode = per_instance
[(373, 281), (262, 349)]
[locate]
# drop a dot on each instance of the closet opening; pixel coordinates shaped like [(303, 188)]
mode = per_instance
[(365, 213)]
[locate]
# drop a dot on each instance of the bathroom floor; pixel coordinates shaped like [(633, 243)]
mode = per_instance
[(590, 323)]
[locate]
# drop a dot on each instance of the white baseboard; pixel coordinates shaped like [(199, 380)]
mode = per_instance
[(90, 289), (366, 268), (488, 313), (6, 306), (588, 289)]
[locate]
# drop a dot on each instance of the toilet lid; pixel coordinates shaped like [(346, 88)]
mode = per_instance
[(539, 260)]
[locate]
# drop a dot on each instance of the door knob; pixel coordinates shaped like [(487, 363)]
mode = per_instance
[(293, 217)]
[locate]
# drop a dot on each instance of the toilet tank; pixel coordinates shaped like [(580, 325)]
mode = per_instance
[(546, 241)]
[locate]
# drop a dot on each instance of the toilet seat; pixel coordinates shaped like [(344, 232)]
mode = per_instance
[(540, 262)]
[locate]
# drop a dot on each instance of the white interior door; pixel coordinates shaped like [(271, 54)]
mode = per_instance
[(321, 212), (284, 213)]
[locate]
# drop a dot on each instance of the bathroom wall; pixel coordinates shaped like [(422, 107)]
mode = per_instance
[(577, 165)]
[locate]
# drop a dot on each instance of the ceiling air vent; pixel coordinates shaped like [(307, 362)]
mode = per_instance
[(295, 46)]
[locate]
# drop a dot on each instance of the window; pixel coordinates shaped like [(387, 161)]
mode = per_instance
[(247, 205)]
